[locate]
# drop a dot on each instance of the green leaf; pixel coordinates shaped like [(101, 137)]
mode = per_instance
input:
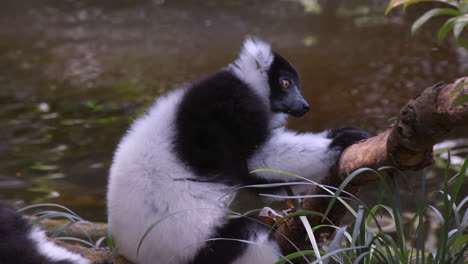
[(395, 3), (406, 3), (430, 14), (445, 28), (461, 99), (461, 42), (460, 242), (460, 24)]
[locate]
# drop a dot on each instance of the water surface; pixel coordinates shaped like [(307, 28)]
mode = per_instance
[(74, 74)]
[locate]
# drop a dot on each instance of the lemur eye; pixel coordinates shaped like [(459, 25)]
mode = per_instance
[(285, 83)]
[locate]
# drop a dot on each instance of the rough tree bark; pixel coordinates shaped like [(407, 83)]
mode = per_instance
[(406, 145)]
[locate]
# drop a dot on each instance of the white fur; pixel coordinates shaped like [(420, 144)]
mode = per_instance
[(142, 191), (304, 154), (267, 252), (147, 182), (51, 250), (252, 65)]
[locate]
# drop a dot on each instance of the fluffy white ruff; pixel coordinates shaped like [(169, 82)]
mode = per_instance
[(52, 251), (253, 64)]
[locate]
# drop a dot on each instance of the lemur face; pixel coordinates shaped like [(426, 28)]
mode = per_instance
[(285, 93)]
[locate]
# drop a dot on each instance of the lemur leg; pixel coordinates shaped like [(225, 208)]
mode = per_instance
[(228, 249)]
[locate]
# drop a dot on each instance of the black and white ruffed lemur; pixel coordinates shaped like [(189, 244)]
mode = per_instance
[(180, 162)]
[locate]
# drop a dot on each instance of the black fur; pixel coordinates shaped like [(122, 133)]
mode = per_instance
[(286, 100), (280, 67), (226, 251), (346, 136), (219, 124), (15, 246)]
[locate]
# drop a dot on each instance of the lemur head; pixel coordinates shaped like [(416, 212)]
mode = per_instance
[(271, 76)]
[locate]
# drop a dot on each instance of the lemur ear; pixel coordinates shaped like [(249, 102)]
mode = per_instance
[(258, 52)]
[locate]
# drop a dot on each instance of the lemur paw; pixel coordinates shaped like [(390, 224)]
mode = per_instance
[(346, 136)]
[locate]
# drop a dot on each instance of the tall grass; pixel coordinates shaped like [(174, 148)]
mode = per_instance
[(366, 241), (52, 211)]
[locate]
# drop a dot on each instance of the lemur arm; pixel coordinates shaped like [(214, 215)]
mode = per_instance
[(310, 155), (304, 154)]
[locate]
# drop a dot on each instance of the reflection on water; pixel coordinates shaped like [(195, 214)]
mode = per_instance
[(74, 74)]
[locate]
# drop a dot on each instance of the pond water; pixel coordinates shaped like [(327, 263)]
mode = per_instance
[(74, 74)]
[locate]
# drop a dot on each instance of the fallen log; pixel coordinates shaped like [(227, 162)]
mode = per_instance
[(407, 145)]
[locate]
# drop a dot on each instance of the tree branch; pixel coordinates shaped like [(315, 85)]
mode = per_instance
[(406, 145)]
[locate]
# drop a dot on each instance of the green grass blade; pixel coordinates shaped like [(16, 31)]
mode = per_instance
[(344, 184), (461, 255), (311, 236), (447, 209), (438, 213), (330, 254), (295, 255), (336, 241), (22, 210), (301, 213), (286, 197), (465, 219), (421, 233), (273, 185), (324, 187), (458, 28), (296, 201), (111, 244), (357, 225), (99, 242), (455, 191), (360, 257), (69, 225), (396, 193), (346, 234), (53, 214)]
